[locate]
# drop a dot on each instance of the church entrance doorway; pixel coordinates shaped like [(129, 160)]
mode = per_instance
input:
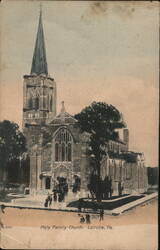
[(62, 185), (61, 188)]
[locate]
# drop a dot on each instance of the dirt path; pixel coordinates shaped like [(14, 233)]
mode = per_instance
[(145, 214)]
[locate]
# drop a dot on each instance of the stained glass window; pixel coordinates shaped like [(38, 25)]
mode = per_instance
[(63, 145)]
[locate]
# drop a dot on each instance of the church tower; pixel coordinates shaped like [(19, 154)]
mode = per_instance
[(39, 89)]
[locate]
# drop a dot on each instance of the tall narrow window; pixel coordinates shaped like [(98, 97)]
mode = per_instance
[(66, 152), (45, 104), (63, 152), (36, 103), (51, 103), (60, 152), (69, 152), (56, 152), (30, 103)]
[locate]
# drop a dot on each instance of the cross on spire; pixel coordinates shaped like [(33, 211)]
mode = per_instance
[(39, 61)]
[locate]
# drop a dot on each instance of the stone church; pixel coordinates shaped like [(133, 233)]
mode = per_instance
[(56, 146)]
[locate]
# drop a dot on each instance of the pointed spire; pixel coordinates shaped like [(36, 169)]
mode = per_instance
[(63, 110), (39, 61)]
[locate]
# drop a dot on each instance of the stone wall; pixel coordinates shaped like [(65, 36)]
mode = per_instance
[(39, 99), (42, 160), (132, 175)]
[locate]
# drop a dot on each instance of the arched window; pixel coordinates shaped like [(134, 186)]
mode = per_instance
[(63, 145), (48, 183)]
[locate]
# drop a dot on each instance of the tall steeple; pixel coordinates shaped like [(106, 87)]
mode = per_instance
[(39, 89), (39, 61)]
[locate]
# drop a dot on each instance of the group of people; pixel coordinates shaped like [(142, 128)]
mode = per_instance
[(60, 189), (54, 197), (87, 217), (59, 192)]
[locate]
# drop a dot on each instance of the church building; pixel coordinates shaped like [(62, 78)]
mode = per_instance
[(56, 146)]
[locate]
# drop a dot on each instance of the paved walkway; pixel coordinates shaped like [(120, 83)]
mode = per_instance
[(37, 202), (126, 207)]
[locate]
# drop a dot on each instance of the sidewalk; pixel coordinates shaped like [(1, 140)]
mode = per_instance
[(26, 203), (122, 209)]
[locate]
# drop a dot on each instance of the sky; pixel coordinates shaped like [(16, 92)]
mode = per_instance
[(96, 51)]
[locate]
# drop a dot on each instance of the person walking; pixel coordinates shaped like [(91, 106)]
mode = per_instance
[(82, 219), (50, 200), (60, 196), (2, 208), (46, 202), (55, 196), (88, 221), (101, 217), (80, 203)]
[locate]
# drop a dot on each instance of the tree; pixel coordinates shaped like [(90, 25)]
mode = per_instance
[(101, 121), (12, 146)]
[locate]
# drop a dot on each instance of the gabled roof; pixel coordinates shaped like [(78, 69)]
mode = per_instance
[(63, 117)]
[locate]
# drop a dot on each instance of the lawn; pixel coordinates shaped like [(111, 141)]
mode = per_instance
[(105, 205)]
